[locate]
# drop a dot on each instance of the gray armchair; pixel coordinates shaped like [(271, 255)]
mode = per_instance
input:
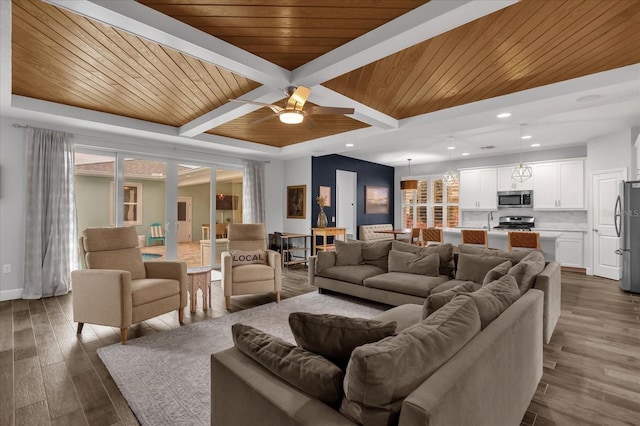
[(254, 278), (117, 288)]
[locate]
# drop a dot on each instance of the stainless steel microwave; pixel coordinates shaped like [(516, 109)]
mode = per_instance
[(515, 199)]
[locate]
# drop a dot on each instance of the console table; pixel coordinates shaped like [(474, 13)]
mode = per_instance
[(324, 233)]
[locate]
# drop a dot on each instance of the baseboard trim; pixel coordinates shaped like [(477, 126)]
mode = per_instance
[(573, 269), (16, 293)]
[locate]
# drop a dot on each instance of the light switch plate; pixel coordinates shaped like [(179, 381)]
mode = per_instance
[(6, 268)]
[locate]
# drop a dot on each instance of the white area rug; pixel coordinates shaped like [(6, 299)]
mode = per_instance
[(165, 377)]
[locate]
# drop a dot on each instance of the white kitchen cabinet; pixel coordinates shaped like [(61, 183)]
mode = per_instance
[(506, 182), (478, 189), (558, 185), (570, 249)]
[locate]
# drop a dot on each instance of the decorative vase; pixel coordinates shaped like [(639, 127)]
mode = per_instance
[(322, 219)]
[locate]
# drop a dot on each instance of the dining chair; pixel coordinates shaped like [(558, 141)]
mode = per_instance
[(432, 236), (415, 236), (523, 239), (475, 236)]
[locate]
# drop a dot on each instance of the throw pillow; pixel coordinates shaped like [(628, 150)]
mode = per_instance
[(414, 263), (526, 271), (248, 257), (473, 267), (436, 301), (348, 253), (494, 298), (376, 253), (498, 272), (513, 256), (334, 336), (305, 370), (445, 251), (378, 378), (324, 260)]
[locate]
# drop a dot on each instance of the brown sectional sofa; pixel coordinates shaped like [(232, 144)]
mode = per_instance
[(371, 280)]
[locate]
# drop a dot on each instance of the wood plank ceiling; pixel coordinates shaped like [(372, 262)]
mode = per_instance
[(66, 58)]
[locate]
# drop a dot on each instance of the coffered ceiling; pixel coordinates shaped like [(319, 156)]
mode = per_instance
[(412, 69)]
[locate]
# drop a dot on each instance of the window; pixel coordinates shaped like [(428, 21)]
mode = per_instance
[(132, 204), (433, 204)]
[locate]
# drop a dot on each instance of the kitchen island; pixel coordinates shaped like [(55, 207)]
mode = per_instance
[(498, 240)]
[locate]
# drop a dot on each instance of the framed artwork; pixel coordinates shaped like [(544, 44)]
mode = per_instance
[(376, 200), (325, 191), (296, 202)]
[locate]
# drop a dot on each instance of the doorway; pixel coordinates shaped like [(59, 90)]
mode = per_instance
[(346, 206), (606, 189), (184, 219)]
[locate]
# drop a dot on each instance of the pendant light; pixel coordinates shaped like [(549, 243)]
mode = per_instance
[(410, 184), (521, 172), (450, 177)]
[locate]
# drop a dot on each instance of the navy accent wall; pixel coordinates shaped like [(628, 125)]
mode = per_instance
[(323, 173)]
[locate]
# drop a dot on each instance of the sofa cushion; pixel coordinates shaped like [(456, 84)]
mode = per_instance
[(354, 274), (400, 282), (414, 263), (149, 290), (448, 285), (404, 315), (376, 253), (325, 259), (494, 298), (377, 378), (253, 272), (474, 267), (305, 370), (513, 256), (497, 272), (334, 336), (107, 238), (348, 253), (248, 257), (128, 259), (526, 271), (436, 301), (445, 251)]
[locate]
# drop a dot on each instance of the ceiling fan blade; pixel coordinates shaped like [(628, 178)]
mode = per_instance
[(308, 123), (265, 118), (274, 108), (298, 98), (317, 110)]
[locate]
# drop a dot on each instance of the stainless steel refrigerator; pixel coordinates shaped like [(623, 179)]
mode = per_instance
[(627, 223)]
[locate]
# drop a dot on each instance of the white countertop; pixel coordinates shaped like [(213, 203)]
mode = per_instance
[(503, 233)]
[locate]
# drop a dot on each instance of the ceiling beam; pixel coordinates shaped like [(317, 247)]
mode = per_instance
[(142, 21), (230, 111), (418, 25)]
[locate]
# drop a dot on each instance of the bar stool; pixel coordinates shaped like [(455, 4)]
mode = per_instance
[(523, 239), (474, 236), (432, 235)]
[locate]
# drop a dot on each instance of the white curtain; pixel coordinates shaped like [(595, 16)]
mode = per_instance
[(51, 236), (253, 192)]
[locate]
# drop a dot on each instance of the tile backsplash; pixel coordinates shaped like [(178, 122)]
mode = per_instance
[(544, 219)]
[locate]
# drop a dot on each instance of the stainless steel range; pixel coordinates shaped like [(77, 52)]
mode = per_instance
[(523, 223)]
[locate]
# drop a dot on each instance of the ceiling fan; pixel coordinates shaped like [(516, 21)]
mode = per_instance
[(294, 111)]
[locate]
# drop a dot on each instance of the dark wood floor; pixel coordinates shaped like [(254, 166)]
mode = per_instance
[(48, 375)]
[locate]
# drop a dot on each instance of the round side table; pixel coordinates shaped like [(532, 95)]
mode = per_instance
[(199, 277)]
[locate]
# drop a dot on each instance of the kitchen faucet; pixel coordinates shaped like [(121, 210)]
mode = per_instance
[(489, 219)]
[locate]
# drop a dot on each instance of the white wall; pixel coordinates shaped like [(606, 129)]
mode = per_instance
[(297, 172), (13, 206)]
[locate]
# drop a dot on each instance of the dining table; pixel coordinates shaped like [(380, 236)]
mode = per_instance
[(395, 232)]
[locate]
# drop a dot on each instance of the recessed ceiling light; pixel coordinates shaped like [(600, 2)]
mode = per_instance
[(504, 115), (526, 137), (588, 98), (349, 145), (465, 153), (451, 147), (535, 145)]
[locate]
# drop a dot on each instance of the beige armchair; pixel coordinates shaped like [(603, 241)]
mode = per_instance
[(253, 278), (117, 288)]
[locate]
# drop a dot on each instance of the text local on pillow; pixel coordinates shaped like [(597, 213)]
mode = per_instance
[(253, 257)]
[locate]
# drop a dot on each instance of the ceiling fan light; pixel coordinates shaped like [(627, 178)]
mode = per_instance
[(410, 184), (291, 117), (521, 173)]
